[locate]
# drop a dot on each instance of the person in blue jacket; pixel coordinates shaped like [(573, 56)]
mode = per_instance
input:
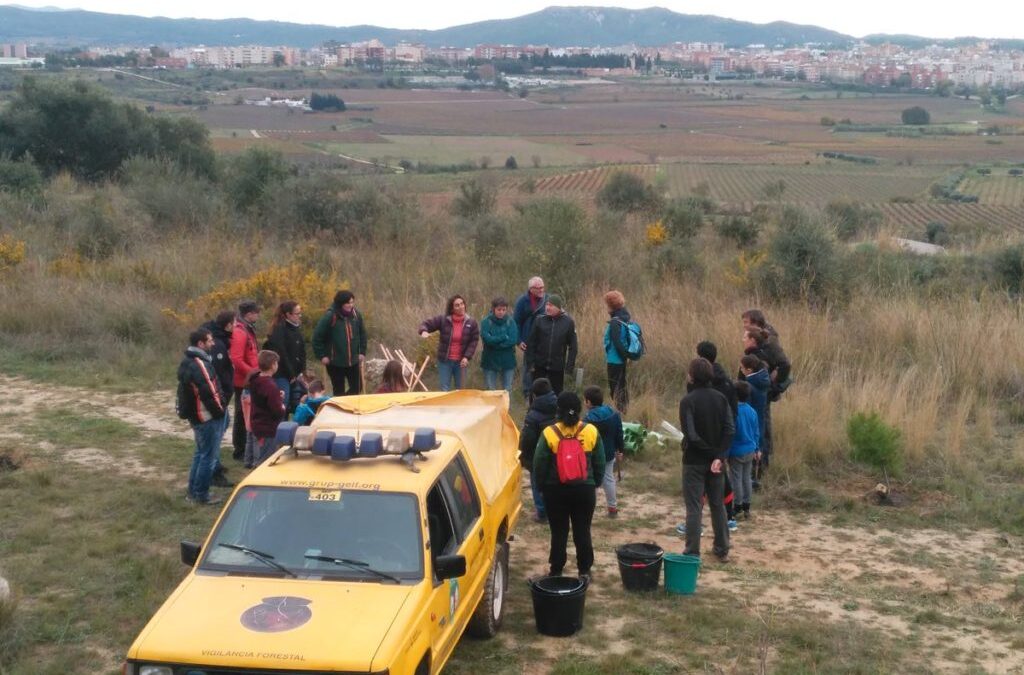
[(310, 403), (528, 307), (743, 450), (609, 425), (500, 335), (615, 348)]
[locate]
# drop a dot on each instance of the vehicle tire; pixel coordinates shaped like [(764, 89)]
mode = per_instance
[(490, 612), (424, 667)]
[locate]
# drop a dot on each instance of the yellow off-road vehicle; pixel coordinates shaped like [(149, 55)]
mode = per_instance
[(368, 543)]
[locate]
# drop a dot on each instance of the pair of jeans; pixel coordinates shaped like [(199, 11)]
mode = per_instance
[(207, 436), (698, 481), (342, 375), (491, 379), (570, 505), (617, 386), (609, 484), (448, 371), (215, 465), (741, 476), (263, 448)]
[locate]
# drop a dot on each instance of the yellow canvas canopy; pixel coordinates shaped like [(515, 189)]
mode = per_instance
[(479, 419)]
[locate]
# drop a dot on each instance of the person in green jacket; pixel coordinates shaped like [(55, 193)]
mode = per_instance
[(500, 335), (569, 503), (339, 341)]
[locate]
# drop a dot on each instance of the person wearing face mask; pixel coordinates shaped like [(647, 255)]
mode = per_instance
[(460, 335), (339, 342)]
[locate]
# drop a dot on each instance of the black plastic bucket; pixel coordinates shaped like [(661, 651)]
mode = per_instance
[(558, 605), (640, 566)]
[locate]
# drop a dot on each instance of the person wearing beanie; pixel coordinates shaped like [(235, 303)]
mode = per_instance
[(541, 415), (339, 342), (551, 348), (569, 497)]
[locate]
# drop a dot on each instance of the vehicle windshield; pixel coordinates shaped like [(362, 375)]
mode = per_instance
[(304, 531)]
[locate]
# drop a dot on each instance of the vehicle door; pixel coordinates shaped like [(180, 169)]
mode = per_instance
[(445, 596)]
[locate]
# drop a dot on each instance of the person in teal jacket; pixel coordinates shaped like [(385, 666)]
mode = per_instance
[(500, 335)]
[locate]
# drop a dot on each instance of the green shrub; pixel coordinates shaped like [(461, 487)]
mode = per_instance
[(937, 233), (475, 198), (682, 218), (171, 196), (20, 176), (801, 258), (627, 192), (251, 177), (1008, 268), (875, 443), (915, 115), (851, 219), (97, 230), (743, 231), (554, 233)]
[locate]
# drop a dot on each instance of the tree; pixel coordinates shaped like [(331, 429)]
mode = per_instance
[(252, 174), (78, 128), (279, 59), (916, 115), (774, 190), (475, 199), (326, 102), (511, 163)]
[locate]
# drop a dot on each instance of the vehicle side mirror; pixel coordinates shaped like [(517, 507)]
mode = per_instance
[(449, 566), (190, 553)]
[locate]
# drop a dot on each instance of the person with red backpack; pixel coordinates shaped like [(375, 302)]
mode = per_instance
[(568, 464)]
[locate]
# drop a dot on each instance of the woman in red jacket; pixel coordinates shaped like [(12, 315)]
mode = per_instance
[(243, 359)]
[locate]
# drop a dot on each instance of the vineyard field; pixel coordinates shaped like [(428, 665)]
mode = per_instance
[(915, 217), (735, 184), (995, 190)]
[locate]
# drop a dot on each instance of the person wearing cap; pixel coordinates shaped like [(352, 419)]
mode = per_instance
[(339, 342), (243, 359), (569, 504), (551, 348), (529, 306)]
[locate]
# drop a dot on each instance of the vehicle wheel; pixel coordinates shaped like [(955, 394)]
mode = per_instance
[(491, 611), (424, 667)]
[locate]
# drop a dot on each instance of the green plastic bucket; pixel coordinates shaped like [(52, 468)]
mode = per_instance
[(681, 573)]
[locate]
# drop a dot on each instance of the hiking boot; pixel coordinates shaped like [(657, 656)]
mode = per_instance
[(723, 559), (613, 512), (209, 501), (733, 525), (681, 530), (238, 456), (220, 480)]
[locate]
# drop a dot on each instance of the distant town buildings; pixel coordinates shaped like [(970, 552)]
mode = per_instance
[(14, 51)]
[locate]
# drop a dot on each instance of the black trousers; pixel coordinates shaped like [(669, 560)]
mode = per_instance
[(340, 375), (570, 505), (238, 433), (617, 386), (556, 377)]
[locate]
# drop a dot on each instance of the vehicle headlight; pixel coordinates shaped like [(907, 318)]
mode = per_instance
[(155, 670)]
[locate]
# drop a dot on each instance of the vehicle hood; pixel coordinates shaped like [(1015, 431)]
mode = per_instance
[(252, 622)]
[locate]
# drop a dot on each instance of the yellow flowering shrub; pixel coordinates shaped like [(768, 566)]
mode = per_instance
[(742, 273), (657, 233), (268, 287), (12, 252), (69, 264)]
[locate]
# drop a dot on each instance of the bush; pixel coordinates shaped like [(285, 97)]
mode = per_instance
[(511, 163), (553, 235), (851, 219), (682, 218), (627, 192), (1008, 268), (309, 203), (801, 257), (20, 177), (490, 236), (252, 175), (743, 231), (937, 233), (875, 443), (916, 115), (97, 231), (326, 102), (475, 198), (171, 196)]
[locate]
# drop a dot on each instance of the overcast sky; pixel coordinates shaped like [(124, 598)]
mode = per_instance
[(1004, 19)]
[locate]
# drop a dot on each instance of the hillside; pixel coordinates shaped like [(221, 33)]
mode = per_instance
[(555, 25)]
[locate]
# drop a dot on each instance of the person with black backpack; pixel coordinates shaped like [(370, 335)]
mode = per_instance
[(568, 464)]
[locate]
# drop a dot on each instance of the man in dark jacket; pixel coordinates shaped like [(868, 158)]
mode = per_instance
[(529, 306), (287, 340), (541, 415), (221, 328), (708, 427), (720, 380), (551, 349), (200, 401)]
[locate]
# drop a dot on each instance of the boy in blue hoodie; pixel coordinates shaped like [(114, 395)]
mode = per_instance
[(306, 411), (609, 425), (742, 451), (754, 372)]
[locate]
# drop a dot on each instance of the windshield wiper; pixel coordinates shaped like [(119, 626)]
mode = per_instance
[(355, 564), (265, 558)]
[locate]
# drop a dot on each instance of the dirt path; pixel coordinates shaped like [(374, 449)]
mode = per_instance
[(946, 592)]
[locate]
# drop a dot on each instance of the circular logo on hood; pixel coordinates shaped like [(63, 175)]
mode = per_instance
[(277, 614)]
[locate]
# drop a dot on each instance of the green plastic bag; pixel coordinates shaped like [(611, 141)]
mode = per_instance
[(633, 435)]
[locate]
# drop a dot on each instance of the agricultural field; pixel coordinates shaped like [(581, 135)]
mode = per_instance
[(998, 189), (977, 218)]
